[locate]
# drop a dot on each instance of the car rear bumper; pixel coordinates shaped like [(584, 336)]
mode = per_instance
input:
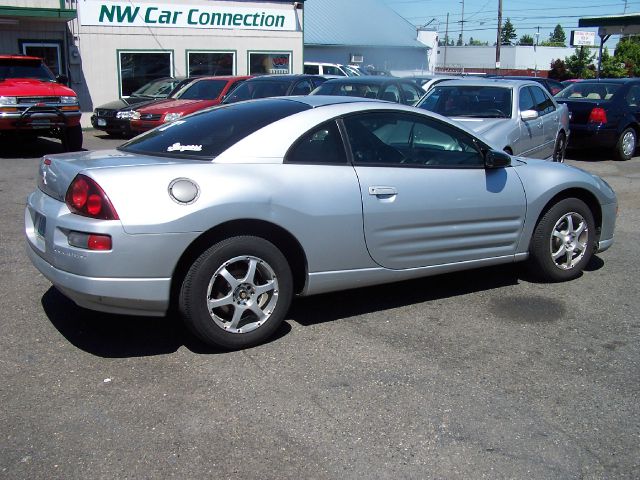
[(590, 136)]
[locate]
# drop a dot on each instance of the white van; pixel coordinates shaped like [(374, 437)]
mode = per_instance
[(327, 69)]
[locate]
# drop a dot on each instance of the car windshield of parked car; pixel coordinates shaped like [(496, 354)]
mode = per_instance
[(469, 101), (158, 89), (258, 89), (585, 90), (10, 68), (201, 90), (206, 134), (345, 89)]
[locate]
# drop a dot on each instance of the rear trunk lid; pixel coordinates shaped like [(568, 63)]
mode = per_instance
[(579, 110)]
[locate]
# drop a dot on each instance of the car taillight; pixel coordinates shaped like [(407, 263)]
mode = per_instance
[(85, 197), (598, 115)]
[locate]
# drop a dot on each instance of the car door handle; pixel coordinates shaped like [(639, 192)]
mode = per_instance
[(383, 191)]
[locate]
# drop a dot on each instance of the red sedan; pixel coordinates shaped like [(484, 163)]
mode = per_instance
[(202, 92)]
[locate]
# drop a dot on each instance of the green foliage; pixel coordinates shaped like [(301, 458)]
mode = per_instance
[(552, 44), (612, 67), (558, 37), (526, 40), (628, 52), (508, 34), (580, 64), (477, 43), (559, 70)]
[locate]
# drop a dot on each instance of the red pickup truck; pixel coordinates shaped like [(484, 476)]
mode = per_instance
[(33, 101)]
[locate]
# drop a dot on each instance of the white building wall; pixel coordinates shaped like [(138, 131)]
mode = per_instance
[(518, 58)]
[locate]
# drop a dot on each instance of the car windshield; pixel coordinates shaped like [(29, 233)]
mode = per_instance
[(258, 89), (24, 68), (589, 91), (344, 89), (206, 134), (201, 90), (469, 101), (157, 89)]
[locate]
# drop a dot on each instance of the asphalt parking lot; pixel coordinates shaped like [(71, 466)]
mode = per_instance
[(483, 374)]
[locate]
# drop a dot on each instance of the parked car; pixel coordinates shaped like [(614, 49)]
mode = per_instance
[(392, 89), (552, 86), (604, 113), (519, 116), (571, 81), (274, 86), (113, 117), (232, 211), (34, 102), (428, 81), (328, 70), (199, 93)]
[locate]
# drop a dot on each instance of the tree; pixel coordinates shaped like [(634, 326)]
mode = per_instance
[(611, 67), (628, 52), (477, 43), (559, 70), (459, 43), (508, 33), (557, 37), (580, 64), (526, 40)]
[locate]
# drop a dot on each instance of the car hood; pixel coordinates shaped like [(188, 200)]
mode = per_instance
[(481, 125), (127, 103), (177, 105), (23, 87), (57, 171)]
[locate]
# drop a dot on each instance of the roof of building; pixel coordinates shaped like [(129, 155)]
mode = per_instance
[(363, 23)]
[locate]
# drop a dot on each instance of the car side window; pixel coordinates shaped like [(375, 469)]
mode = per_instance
[(391, 93), (302, 88), (312, 69), (543, 101), (322, 145), (632, 98), (411, 93), (526, 100), (396, 139)]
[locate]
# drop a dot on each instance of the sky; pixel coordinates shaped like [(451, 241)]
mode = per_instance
[(481, 16)]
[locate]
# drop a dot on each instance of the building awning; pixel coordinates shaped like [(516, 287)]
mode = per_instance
[(628, 24), (27, 13)]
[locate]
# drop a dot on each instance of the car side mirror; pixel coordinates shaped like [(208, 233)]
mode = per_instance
[(496, 159), (529, 115), (62, 79)]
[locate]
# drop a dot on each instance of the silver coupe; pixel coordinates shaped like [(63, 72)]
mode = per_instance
[(231, 212), (520, 117)]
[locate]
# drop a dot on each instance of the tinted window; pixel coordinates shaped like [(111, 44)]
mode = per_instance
[(394, 139), (202, 90), (159, 89), (312, 69), (632, 98), (526, 100), (321, 145), (24, 69), (355, 89), (589, 90), (469, 101), (209, 133), (411, 93), (543, 102), (391, 93), (138, 68), (331, 70), (302, 88), (258, 89)]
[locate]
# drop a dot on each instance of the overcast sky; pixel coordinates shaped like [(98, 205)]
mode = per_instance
[(481, 16)]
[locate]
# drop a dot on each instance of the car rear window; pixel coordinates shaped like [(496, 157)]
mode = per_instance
[(208, 133), (589, 91), (258, 89), (27, 68), (469, 101), (202, 90), (355, 89)]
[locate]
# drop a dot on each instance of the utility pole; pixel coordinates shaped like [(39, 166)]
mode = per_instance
[(499, 40), (446, 42), (462, 25)]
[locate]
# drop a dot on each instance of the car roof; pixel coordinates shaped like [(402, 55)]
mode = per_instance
[(19, 57), (486, 82), (219, 77), (609, 80), (369, 79), (288, 77)]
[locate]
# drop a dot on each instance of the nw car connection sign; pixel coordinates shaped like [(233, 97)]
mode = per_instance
[(137, 14)]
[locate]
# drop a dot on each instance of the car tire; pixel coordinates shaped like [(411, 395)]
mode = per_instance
[(72, 138), (626, 146), (563, 241), (560, 148), (237, 293)]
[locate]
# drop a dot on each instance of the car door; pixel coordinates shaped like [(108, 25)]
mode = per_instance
[(426, 197), (529, 141), (549, 117)]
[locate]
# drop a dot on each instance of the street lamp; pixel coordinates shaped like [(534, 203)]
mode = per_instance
[(535, 54)]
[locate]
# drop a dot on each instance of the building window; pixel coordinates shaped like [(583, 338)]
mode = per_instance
[(49, 50), (210, 63), (271, 62), (139, 68)]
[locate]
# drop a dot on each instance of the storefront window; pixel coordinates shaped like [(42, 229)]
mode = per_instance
[(139, 68), (210, 63), (269, 63), (50, 52)]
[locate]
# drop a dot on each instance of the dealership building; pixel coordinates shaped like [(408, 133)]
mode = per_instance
[(108, 49)]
